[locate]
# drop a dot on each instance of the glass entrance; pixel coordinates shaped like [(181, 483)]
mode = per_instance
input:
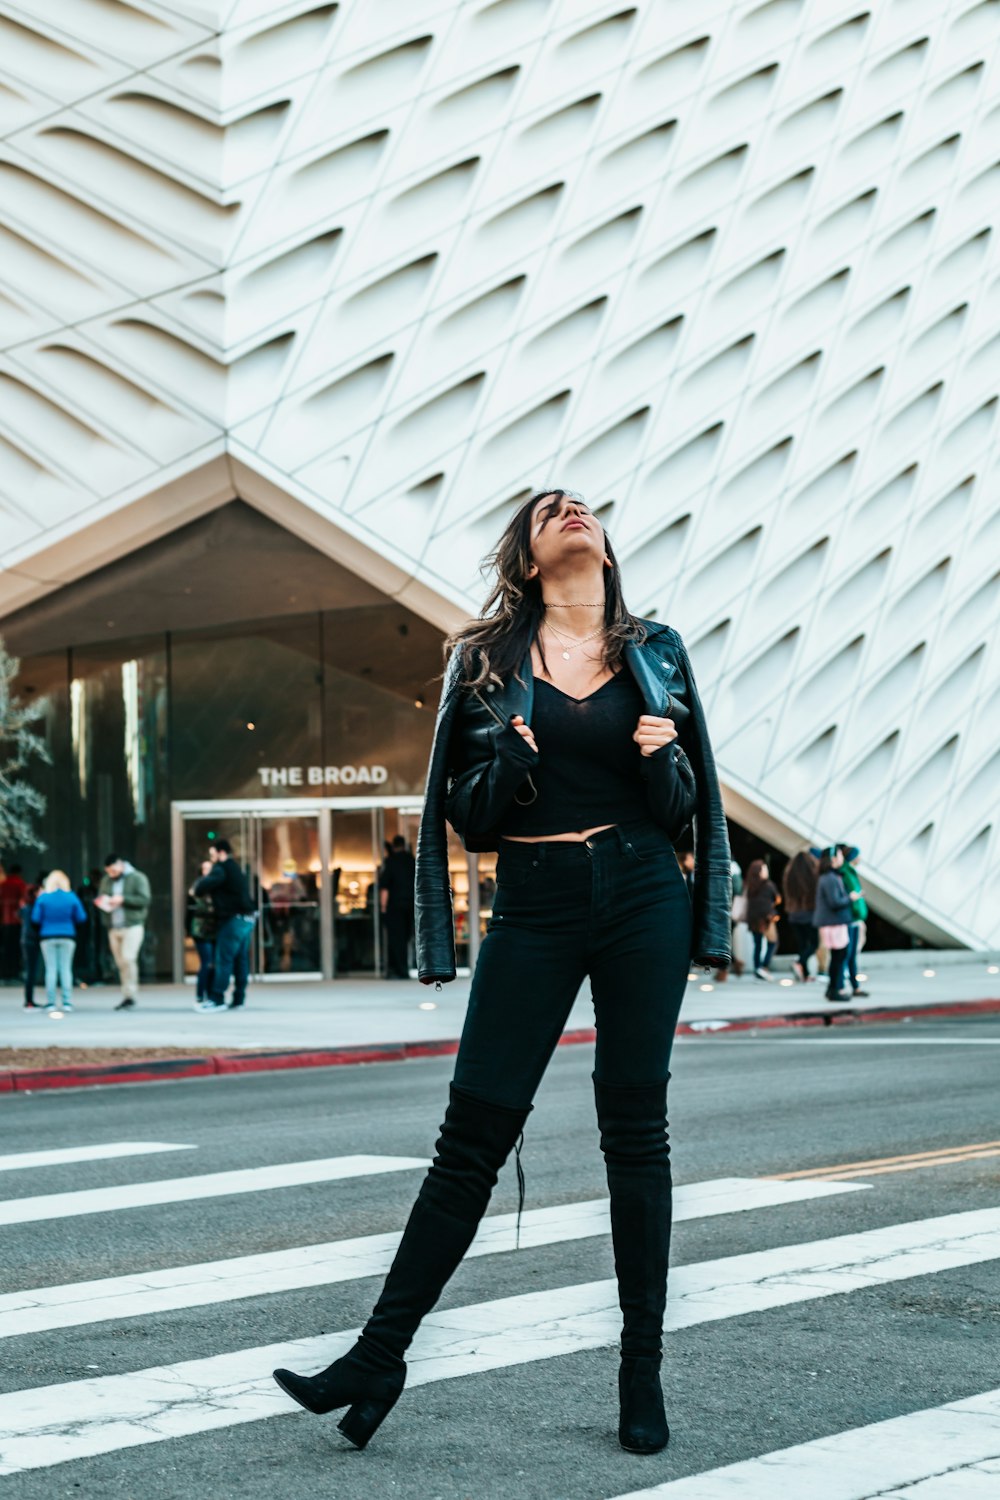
[(280, 856), (354, 871), (315, 869)]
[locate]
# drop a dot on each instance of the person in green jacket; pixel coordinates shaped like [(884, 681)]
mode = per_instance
[(123, 900), (859, 912)]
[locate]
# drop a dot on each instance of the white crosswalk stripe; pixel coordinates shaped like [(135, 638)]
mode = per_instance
[(211, 1185), (69, 1155), (144, 1294), (947, 1452), (110, 1413)]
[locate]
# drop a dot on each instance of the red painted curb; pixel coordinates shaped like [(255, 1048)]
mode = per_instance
[(155, 1070), (160, 1070), (838, 1017)]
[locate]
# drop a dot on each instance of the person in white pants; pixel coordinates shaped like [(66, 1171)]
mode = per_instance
[(123, 901)]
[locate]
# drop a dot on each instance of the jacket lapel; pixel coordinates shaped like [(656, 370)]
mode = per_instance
[(647, 673), (518, 699)]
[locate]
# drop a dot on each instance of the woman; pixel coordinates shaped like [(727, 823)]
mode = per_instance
[(798, 887), (831, 916), (57, 914), (762, 916), (571, 739)]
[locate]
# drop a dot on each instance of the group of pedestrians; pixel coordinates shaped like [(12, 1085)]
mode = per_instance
[(223, 914), (51, 917), (822, 897)]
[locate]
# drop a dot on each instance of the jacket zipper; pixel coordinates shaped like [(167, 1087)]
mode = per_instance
[(490, 709)]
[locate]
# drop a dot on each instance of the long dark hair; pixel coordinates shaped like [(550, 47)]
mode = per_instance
[(826, 860), (754, 880), (799, 881), (494, 645)]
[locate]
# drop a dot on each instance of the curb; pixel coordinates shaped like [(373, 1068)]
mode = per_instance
[(840, 1017), (166, 1070)]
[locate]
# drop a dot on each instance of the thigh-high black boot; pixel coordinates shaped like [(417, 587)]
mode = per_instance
[(475, 1141), (633, 1124)]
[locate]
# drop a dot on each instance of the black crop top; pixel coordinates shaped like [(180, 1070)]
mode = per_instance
[(588, 770)]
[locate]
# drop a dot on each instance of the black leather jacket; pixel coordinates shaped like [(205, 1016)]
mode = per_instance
[(479, 763)]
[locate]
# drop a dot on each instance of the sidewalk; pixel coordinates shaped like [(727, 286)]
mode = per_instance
[(359, 1013)]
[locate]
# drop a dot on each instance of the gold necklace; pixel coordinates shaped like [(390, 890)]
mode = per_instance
[(574, 640), (582, 605)]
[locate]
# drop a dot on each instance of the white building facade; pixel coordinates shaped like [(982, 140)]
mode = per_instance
[(377, 269)]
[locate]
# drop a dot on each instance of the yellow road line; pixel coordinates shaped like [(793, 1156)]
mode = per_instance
[(895, 1163), (907, 1166)]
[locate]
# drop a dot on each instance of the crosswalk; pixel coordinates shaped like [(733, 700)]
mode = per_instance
[(211, 1185), (949, 1452), (66, 1156), (71, 1421), (35, 1310)]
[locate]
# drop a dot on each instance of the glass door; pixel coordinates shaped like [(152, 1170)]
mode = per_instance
[(316, 876), (467, 891), (199, 834), (355, 858), (280, 856), (286, 860)]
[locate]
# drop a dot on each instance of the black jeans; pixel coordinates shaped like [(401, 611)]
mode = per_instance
[(615, 908), (806, 937), (398, 931), (838, 958), (206, 966), (31, 953)]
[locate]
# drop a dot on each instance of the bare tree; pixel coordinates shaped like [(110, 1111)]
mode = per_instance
[(20, 804)]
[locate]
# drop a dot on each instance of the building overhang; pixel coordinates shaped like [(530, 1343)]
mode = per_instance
[(116, 527)]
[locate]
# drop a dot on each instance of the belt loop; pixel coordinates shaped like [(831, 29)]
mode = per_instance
[(623, 842)]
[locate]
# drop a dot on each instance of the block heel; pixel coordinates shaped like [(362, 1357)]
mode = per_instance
[(362, 1421), (356, 1381)]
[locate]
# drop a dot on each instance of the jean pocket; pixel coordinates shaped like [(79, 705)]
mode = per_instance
[(649, 849), (515, 871)]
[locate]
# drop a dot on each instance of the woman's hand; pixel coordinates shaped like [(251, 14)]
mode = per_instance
[(653, 733), (524, 730)]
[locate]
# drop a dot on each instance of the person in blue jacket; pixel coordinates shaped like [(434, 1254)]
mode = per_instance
[(57, 914)]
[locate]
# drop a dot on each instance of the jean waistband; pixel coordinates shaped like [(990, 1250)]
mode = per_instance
[(616, 839)]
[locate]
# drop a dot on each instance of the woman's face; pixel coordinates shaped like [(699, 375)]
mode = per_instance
[(563, 528), (764, 874), (836, 859)]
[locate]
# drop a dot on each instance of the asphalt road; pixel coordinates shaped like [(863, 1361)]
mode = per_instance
[(541, 1428)]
